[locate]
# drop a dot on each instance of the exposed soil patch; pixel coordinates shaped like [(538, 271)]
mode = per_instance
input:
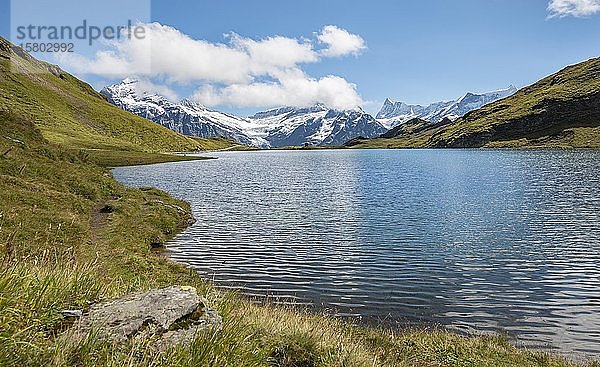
[(99, 219)]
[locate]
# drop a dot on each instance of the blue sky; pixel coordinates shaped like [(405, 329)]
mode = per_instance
[(416, 51)]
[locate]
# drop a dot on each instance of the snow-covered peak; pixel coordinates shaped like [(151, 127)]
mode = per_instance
[(488, 96), (395, 113), (127, 85), (187, 117), (192, 105), (129, 80), (315, 125)]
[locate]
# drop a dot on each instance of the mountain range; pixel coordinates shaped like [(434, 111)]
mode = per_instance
[(393, 114), (561, 110), (317, 125), (186, 117), (287, 126)]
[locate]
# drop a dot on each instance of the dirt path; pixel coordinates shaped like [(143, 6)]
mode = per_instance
[(99, 220)]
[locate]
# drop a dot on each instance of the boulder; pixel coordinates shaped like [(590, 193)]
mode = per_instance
[(166, 316)]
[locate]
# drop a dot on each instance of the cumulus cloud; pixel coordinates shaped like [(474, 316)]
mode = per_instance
[(274, 53), (291, 89), (165, 51), (340, 42), (576, 8), (240, 72)]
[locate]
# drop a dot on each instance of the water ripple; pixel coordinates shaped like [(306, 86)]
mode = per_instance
[(477, 241)]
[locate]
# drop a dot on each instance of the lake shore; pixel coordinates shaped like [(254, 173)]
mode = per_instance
[(73, 236), (187, 238)]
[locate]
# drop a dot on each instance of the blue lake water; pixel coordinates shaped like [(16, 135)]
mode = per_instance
[(474, 241)]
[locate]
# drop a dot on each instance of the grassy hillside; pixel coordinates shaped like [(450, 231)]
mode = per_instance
[(562, 110), (70, 113)]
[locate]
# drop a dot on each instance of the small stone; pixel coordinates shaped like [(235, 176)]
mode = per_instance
[(71, 314)]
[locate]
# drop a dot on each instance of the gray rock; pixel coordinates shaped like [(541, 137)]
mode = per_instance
[(167, 316), (71, 314)]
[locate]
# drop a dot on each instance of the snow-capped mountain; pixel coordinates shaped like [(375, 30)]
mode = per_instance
[(317, 125), (186, 117), (395, 113)]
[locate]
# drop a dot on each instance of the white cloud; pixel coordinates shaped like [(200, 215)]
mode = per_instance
[(167, 52), (576, 8), (274, 52), (340, 42), (242, 72), (291, 89)]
